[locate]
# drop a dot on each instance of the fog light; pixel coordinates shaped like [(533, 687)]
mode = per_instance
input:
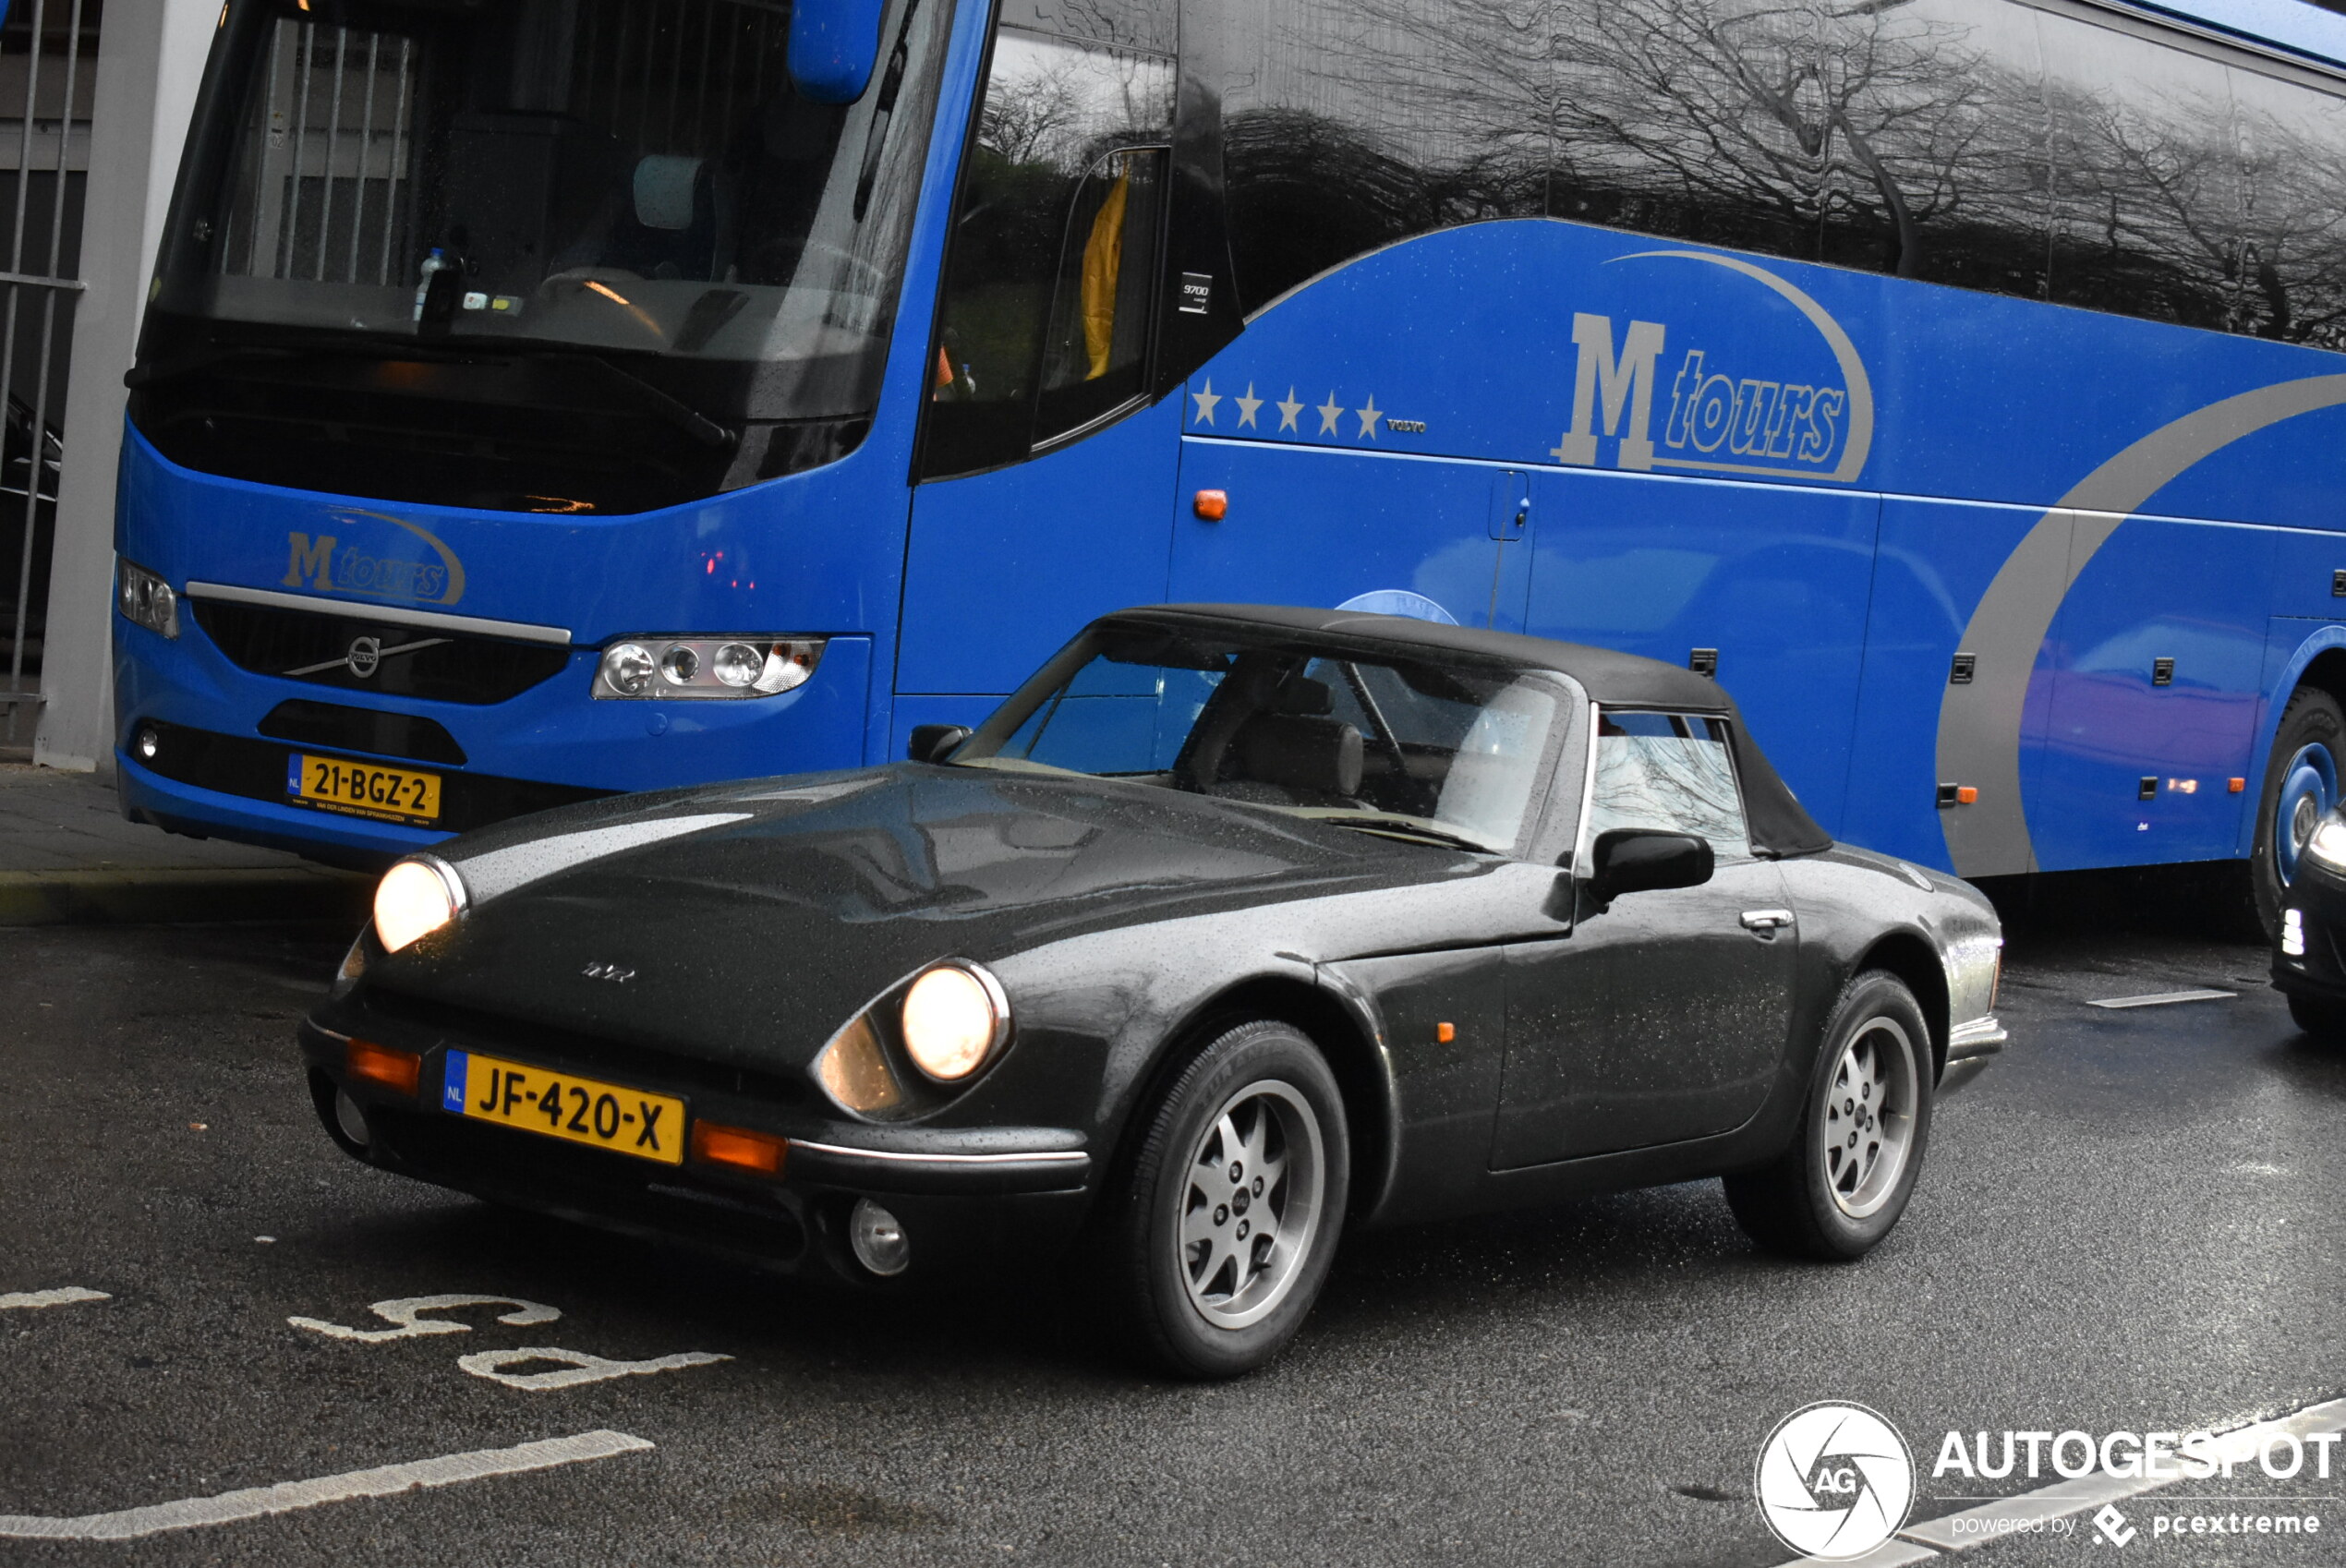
[(738, 664), (627, 670), (351, 1120), (149, 742), (2292, 933), (680, 663), (877, 1239)]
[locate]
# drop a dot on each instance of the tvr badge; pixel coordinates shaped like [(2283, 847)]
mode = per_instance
[(612, 972)]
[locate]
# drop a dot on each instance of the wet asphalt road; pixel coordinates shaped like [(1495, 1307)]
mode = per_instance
[(2134, 1220)]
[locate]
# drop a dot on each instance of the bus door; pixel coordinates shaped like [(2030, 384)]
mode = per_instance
[(1317, 526), (1045, 473), (1765, 585)]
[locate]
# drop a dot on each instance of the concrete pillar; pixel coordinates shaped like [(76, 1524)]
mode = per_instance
[(151, 60)]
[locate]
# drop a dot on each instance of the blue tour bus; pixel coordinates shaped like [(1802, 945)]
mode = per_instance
[(540, 398)]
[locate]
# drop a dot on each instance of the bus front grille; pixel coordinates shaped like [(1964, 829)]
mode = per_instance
[(359, 655)]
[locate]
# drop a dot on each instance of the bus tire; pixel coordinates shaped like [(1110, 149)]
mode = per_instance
[(2303, 774)]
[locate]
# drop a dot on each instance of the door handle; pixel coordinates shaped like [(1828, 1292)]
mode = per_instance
[(1766, 923)]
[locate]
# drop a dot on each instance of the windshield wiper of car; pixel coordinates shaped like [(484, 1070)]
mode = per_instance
[(650, 398), (1401, 828)]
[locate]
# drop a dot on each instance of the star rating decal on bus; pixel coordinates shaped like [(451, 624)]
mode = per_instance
[(1251, 405)]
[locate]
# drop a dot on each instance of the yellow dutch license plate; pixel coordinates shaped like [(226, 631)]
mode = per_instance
[(581, 1110), (361, 789)]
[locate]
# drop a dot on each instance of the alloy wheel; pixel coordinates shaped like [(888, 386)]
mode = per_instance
[(1250, 1199), (1869, 1126)]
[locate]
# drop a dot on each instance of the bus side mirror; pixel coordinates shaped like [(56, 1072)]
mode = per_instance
[(934, 742), (1640, 860), (834, 45)]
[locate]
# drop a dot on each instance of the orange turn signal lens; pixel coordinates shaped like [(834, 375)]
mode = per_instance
[(381, 1064), (1966, 795), (2238, 784), (1444, 1033), (1211, 506), (738, 1147)]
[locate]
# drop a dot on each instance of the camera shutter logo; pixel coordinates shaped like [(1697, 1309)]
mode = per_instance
[(1834, 1481)]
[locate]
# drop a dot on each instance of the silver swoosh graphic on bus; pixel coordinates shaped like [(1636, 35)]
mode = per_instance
[(1980, 724), (1844, 353)]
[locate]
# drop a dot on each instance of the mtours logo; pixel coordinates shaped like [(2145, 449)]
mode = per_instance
[(1834, 1481), (394, 569), (1724, 415)]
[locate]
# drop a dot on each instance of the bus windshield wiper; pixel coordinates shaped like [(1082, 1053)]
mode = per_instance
[(650, 398)]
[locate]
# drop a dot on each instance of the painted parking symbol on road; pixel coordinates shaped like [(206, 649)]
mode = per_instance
[(575, 1367), (65, 1297), (406, 1316)]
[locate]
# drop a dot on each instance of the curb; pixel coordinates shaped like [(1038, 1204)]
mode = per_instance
[(207, 896)]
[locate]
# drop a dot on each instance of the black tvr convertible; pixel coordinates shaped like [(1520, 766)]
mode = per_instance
[(1234, 927)]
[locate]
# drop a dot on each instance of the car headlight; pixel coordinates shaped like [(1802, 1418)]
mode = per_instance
[(701, 669), (2328, 843), (146, 599), (414, 898), (953, 1017)]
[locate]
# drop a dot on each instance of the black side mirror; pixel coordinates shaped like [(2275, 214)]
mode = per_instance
[(1639, 860), (931, 742)]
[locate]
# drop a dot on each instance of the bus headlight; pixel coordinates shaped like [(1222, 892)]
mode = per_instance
[(2328, 843), (414, 898), (147, 599), (685, 668)]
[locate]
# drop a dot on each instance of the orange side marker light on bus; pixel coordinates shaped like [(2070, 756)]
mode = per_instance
[(760, 1152), (2237, 785), (1966, 794), (1211, 506), (1445, 1032), (379, 1063)]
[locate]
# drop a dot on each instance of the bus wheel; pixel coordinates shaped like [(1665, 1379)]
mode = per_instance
[(2302, 779)]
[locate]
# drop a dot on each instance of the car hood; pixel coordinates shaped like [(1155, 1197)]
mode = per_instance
[(746, 922)]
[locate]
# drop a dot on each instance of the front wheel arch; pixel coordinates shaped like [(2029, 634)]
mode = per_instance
[(1914, 961)]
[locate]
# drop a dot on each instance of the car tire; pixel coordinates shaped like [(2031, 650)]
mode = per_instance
[(2303, 773), (2326, 1021), (1845, 1178), (1200, 1286)]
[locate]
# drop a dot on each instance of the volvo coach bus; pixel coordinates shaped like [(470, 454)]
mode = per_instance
[(540, 398)]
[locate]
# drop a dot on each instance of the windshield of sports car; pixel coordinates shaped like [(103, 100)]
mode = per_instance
[(1454, 754), (609, 176)]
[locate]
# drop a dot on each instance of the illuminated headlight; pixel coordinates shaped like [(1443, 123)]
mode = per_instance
[(2328, 843), (414, 898), (953, 1018), (146, 599), (2292, 933), (686, 669)]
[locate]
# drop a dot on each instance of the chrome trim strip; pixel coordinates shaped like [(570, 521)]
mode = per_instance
[(1980, 1037), (1039, 1156), (390, 615)]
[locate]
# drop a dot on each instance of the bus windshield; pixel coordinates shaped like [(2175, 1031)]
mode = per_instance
[(601, 175)]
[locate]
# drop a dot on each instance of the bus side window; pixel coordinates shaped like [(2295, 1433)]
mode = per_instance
[(1042, 322)]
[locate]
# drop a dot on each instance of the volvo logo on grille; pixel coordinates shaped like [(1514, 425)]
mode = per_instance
[(365, 653), (611, 972)]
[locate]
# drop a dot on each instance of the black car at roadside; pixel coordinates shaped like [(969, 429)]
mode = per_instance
[(1233, 928)]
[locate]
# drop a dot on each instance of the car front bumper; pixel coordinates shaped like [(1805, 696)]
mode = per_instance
[(970, 1200)]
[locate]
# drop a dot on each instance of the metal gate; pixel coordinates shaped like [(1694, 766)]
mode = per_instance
[(48, 51)]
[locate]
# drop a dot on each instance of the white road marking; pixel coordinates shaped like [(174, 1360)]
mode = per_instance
[(65, 1297), (577, 1366), (254, 1502), (2162, 998), (407, 1311), (1971, 1528)]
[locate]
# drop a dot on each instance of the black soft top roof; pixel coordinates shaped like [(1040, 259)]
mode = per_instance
[(1779, 823)]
